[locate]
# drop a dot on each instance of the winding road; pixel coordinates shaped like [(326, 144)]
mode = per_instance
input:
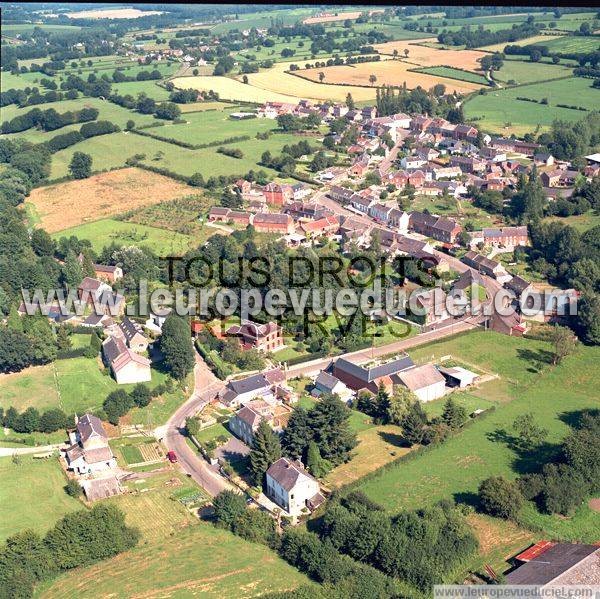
[(206, 387)]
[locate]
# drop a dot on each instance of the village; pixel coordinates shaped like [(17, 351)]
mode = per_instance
[(299, 301)]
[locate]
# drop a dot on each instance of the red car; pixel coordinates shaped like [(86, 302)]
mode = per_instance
[(172, 456)]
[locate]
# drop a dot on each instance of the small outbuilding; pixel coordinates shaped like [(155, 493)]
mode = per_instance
[(457, 376)]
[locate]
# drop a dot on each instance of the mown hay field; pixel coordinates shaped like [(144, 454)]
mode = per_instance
[(268, 85), (542, 40), (428, 57), (388, 72), (72, 203), (196, 560)]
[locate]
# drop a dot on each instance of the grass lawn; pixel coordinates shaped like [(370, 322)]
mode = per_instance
[(214, 125), (499, 110), (177, 556), (456, 468), (32, 495), (467, 400), (110, 151), (212, 432), (77, 385), (527, 72), (132, 454), (377, 445), (107, 230), (581, 222), (452, 73)]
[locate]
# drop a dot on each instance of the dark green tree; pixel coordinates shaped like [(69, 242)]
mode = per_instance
[(500, 497), (176, 346), (266, 449), (80, 166)]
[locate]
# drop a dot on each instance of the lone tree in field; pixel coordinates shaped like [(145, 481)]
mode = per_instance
[(405, 52), (372, 79), (530, 434), (80, 166), (350, 101), (176, 346), (500, 497), (564, 343), (266, 449), (321, 76), (395, 53)]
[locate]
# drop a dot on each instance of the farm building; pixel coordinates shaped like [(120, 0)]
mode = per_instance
[(358, 377), (424, 381), (456, 376), (557, 564)]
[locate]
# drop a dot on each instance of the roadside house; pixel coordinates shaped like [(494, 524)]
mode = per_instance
[(292, 488)]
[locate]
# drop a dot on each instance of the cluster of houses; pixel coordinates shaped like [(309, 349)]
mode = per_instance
[(267, 397)]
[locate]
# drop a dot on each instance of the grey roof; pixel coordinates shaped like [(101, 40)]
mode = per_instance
[(112, 348), (368, 375), (326, 380), (89, 425), (518, 284), (130, 328), (250, 383), (550, 564), (287, 472)]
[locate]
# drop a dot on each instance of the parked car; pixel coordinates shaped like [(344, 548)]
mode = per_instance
[(172, 456)]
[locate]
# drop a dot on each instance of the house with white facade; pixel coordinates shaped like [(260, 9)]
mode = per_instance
[(292, 488), (89, 451)]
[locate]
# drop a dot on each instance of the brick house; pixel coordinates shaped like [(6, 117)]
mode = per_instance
[(263, 337), (506, 236), (277, 194), (358, 377), (264, 222), (437, 227)]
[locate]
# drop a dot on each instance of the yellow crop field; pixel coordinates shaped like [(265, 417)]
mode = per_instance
[(276, 78), (231, 89), (525, 42), (388, 72), (264, 86), (425, 56)]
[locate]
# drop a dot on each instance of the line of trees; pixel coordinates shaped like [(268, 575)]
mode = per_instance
[(48, 120), (78, 539)]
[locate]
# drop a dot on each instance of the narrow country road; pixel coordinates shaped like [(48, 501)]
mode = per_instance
[(206, 387), (364, 355)]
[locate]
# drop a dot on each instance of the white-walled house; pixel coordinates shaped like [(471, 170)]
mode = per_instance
[(89, 451), (292, 488), (125, 365)]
